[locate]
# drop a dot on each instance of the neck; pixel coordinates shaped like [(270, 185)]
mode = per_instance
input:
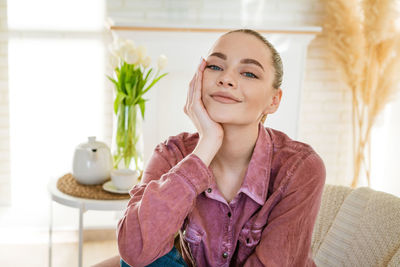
[(237, 147)]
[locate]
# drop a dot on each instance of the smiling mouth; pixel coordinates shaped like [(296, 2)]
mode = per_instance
[(224, 100)]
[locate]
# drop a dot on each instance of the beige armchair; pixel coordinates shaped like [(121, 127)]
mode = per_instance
[(357, 227)]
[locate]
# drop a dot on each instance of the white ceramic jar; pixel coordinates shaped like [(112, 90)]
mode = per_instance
[(92, 162)]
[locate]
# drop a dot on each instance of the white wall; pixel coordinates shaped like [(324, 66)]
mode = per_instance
[(325, 118), (5, 194)]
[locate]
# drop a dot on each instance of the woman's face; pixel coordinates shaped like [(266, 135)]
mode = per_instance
[(240, 65)]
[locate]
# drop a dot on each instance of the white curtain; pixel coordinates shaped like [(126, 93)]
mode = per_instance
[(57, 94)]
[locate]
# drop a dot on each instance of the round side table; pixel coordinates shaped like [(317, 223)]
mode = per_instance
[(83, 204)]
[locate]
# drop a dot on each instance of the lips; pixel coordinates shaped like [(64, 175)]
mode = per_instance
[(225, 97)]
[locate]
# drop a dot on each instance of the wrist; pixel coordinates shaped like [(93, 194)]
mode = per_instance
[(206, 151)]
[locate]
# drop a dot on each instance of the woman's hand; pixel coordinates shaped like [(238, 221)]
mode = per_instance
[(211, 133)]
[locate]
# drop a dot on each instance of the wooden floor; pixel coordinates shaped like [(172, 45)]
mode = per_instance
[(64, 254)]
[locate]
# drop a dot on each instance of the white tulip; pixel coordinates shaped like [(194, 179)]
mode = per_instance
[(141, 51), (116, 45), (114, 48), (162, 62), (123, 52), (146, 62), (127, 51), (131, 56), (114, 60), (130, 44)]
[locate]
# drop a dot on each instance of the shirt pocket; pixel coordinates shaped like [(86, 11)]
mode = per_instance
[(249, 238), (193, 236)]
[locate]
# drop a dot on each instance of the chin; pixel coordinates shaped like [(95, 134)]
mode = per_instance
[(222, 120), (230, 117), (219, 115), (227, 118)]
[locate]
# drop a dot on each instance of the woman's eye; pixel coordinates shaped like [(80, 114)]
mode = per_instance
[(246, 74), (250, 75), (213, 67)]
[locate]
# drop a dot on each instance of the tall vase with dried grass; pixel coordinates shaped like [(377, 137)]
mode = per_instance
[(365, 46)]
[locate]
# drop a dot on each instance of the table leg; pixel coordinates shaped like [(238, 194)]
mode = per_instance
[(50, 231), (81, 211)]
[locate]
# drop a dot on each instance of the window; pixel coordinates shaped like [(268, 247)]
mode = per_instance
[(385, 146), (57, 89), (61, 15)]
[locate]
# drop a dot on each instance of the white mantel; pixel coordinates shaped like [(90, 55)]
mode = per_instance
[(184, 45)]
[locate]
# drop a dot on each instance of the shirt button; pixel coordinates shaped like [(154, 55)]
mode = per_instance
[(209, 190), (225, 255), (229, 214)]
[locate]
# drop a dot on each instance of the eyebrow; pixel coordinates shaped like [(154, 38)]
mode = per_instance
[(243, 61)]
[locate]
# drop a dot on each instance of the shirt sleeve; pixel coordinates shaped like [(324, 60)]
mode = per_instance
[(160, 203), (286, 240)]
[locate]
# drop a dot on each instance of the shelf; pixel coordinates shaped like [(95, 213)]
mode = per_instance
[(170, 26)]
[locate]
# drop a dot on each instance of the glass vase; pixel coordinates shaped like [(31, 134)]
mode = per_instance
[(127, 141)]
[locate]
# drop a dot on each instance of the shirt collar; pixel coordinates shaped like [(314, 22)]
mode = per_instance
[(256, 180)]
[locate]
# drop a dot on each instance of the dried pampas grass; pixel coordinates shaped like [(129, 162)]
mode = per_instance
[(365, 45)]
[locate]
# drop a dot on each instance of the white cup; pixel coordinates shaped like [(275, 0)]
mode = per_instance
[(124, 179)]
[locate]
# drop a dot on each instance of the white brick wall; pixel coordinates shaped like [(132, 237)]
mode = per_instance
[(4, 110), (305, 12), (325, 119)]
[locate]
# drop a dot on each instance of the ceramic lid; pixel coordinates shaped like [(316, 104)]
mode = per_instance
[(92, 144)]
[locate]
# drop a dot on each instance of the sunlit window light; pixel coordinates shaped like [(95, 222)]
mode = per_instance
[(72, 15), (56, 93)]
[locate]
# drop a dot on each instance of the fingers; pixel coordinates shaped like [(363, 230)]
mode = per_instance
[(195, 85), (199, 81), (189, 101), (189, 95)]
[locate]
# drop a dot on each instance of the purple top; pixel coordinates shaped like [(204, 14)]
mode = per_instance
[(268, 223)]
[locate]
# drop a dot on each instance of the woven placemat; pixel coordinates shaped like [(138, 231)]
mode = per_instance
[(68, 185)]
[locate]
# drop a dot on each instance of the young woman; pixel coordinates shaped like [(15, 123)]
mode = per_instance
[(235, 193)]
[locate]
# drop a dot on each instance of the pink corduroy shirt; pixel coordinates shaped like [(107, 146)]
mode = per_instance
[(268, 223)]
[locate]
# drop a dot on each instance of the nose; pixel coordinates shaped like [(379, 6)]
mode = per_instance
[(226, 79)]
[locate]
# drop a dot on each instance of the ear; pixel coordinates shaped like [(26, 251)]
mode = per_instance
[(276, 100)]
